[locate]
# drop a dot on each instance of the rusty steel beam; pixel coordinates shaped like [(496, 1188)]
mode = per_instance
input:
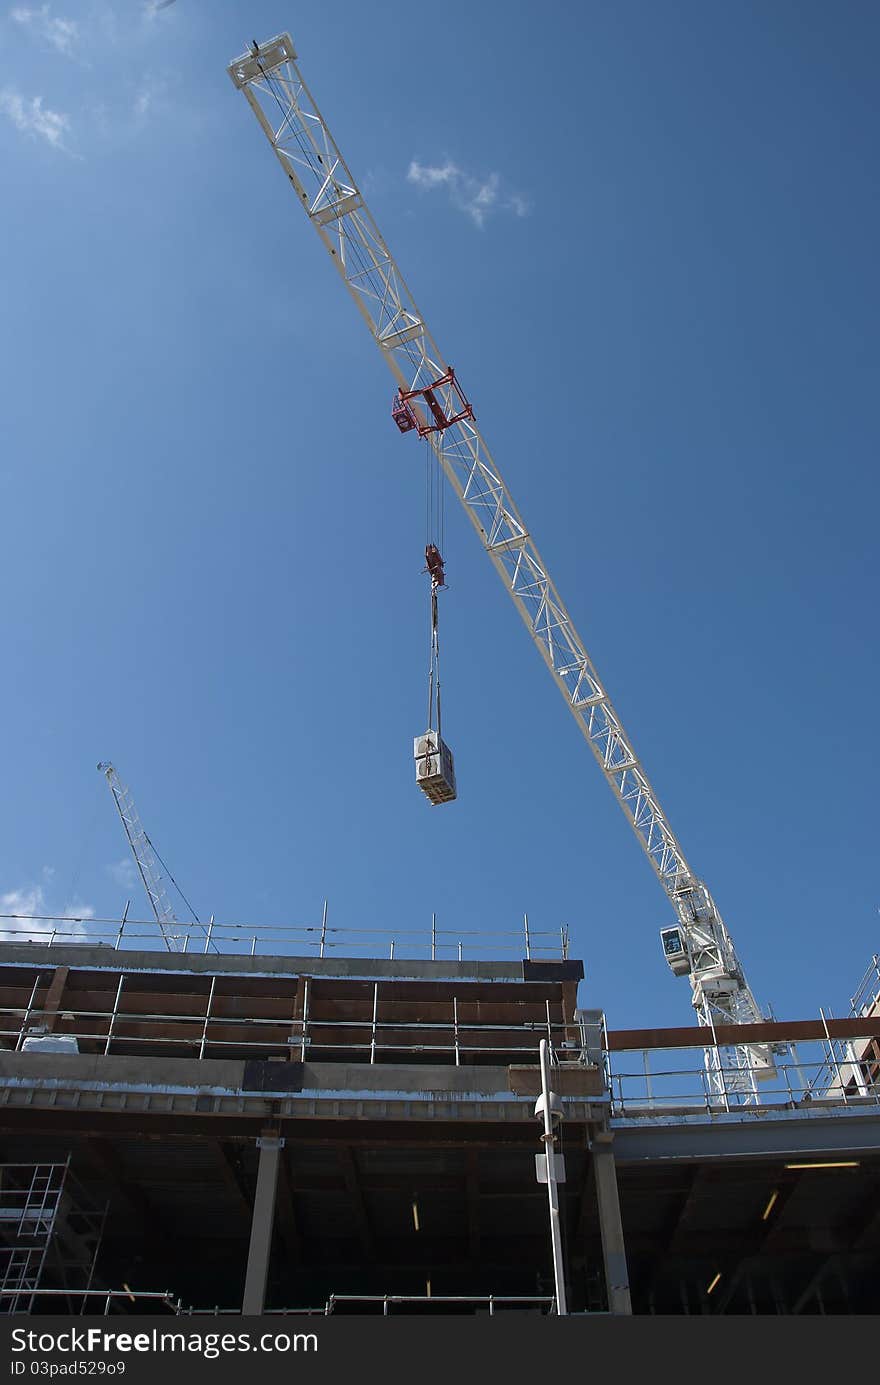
[(778, 1031)]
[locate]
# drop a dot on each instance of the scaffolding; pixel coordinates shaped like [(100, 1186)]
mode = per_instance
[(50, 1235)]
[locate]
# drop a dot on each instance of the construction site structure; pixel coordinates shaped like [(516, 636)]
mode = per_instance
[(324, 1133), (431, 402), (150, 866), (50, 1234)]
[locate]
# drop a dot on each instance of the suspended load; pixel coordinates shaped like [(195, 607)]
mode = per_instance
[(435, 768)]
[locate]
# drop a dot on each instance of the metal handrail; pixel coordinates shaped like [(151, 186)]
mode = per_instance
[(490, 1300), (196, 1042), (111, 932), (107, 1294), (867, 992), (634, 1092)]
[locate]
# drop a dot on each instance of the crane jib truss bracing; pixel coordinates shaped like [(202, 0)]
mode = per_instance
[(149, 867), (269, 77)]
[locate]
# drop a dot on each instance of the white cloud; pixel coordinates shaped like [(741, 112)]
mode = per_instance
[(33, 118), (123, 873), (426, 176), (62, 34), (79, 913), (476, 197), (149, 93), (28, 901), (29, 911)]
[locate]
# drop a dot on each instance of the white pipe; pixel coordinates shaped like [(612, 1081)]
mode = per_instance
[(548, 1140)]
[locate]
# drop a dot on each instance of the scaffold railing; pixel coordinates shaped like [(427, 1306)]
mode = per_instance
[(99, 1301), (371, 1040), (663, 1081), (867, 993), (430, 942), (387, 1304), (104, 1301), (654, 1078)]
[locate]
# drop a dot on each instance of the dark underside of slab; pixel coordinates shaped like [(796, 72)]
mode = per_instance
[(378, 1206)]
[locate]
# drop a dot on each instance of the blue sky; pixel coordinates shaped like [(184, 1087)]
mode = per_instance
[(646, 237)]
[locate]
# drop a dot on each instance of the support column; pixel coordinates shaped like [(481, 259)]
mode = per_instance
[(270, 1146), (610, 1224)]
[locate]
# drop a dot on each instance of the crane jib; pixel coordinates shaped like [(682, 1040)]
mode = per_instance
[(429, 400)]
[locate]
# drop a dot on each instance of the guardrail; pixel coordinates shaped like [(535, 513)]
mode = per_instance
[(490, 1302), (867, 993), (286, 940), (312, 1038), (96, 1298), (675, 1077)]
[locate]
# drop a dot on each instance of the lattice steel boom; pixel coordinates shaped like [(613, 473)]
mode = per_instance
[(146, 860), (430, 399)]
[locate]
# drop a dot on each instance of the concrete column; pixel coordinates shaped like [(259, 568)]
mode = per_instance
[(610, 1225), (262, 1222)]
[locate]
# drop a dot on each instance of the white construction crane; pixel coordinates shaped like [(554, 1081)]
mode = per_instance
[(146, 859), (430, 401)]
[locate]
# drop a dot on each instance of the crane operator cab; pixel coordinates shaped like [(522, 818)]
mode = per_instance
[(435, 769), (675, 951)]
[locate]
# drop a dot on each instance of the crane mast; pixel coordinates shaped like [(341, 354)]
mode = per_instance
[(430, 399), (146, 860)]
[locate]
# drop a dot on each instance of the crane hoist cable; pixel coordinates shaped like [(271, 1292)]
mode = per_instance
[(434, 661), (435, 498), (435, 773)]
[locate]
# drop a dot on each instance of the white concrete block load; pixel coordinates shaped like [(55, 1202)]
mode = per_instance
[(50, 1043), (435, 768)]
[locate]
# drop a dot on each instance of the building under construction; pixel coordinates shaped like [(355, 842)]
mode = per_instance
[(230, 1130), (213, 1120)]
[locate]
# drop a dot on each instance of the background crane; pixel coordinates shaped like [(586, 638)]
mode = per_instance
[(430, 400), (151, 868)]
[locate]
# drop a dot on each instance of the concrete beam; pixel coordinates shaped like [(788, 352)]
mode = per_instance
[(610, 1225), (262, 1223), (217, 1087), (768, 1134), (348, 968)]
